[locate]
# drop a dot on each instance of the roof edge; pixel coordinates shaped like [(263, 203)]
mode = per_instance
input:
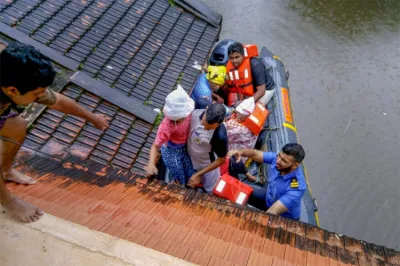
[(49, 52), (115, 97), (201, 10)]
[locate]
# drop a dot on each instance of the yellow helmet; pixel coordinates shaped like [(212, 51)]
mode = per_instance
[(216, 74)]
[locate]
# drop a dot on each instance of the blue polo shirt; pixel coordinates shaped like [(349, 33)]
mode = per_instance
[(289, 189)]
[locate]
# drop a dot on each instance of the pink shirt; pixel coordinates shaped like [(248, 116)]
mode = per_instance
[(177, 133)]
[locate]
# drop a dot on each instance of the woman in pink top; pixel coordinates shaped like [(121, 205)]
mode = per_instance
[(172, 136)]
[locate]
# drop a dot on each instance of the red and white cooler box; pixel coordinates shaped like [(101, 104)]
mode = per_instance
[(230, 188)]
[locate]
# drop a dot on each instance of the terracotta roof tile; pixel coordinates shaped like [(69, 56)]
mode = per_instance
[(197, 257), (176, 233), (214, 261), (252, 241), (216, 247), (177, 250), (237, 254), (296, 256), (134, 236), (161, 217), (195, 240), (259, 259)]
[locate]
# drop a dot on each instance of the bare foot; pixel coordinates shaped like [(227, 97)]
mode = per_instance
[(23, 211), (19, 178)]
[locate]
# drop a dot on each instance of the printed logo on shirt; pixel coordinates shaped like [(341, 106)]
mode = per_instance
[(294, 183)]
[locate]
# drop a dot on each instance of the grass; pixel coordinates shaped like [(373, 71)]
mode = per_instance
[(180, 77), (158, 120)]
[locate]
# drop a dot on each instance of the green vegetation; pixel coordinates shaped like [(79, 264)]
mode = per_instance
[(180, 77), (158, 120), (171, 3), (146, 103)]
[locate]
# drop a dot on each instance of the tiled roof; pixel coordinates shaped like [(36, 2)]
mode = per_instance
[(125, 144), (194, 226), (140, 48)]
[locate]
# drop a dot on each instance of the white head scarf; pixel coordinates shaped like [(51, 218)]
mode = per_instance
[(178, 104), (246, 107)]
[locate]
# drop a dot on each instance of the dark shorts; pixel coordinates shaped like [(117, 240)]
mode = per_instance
[(3, 118)]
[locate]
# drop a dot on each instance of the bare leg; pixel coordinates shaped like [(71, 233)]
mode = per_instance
[(15, 129)]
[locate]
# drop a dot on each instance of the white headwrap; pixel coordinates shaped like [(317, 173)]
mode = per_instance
[(246, 107), (178, 104)]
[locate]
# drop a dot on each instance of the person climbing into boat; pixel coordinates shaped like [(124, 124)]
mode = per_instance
[(247, 75), (172, 136), (286, 180), (208, 84), (207, 145), (239, 135), (25, 75)]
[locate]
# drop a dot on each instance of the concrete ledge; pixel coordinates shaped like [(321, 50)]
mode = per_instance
[(52, 54), (53, 241)]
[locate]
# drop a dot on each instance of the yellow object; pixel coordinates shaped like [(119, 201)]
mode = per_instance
[(216, 74), (290, 126)]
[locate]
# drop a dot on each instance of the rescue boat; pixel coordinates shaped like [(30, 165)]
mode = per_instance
[(279, 127)]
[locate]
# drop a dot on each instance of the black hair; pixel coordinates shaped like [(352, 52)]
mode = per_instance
[(202, 103), (236, 47), (25, 68), (215, 113), (296, 150)]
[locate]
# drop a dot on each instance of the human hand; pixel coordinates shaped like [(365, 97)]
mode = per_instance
[(100, 121), (194, 181), (151, 170), (219, 99), (236, 154)]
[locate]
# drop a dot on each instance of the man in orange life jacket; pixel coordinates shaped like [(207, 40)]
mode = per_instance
[(246, 74)]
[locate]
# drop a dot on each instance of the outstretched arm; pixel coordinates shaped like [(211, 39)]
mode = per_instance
[(69, 106), (255, 155), (196, 178)]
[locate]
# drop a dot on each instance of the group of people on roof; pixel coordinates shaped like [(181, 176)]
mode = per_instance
[(218, 125)]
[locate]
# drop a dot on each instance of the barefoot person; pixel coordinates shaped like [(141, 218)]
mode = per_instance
[(25, 75)]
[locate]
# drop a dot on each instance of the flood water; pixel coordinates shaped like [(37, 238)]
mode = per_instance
[(344, 63)]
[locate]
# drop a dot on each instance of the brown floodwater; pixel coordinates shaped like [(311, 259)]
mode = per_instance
[(344, 63)]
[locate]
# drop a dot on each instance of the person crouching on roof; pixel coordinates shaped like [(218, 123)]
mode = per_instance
[(239, 136), (172, 136), (208, 84)]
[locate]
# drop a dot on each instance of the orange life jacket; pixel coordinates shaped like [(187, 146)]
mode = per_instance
[(232, 189), (255, 122), (240, 79)]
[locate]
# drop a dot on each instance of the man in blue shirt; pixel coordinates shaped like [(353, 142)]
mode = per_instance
[(286, 181)]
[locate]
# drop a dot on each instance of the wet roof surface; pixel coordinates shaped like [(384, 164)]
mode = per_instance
[(140, 48), (190, 225), (125, 144)]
